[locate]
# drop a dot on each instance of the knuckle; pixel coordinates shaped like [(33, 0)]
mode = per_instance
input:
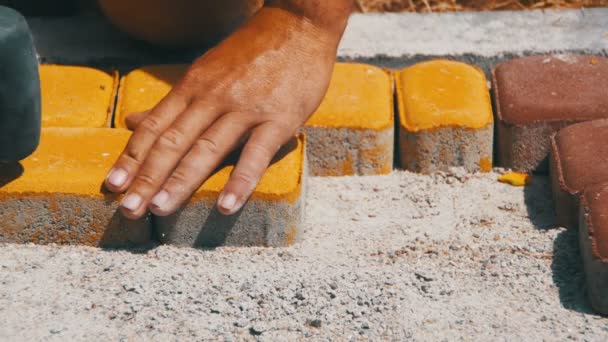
[(190, 78), (261, 150), (172, 139), (246, 178), (151, 125), (183, 183), (179, 179), (133, 154), (286, 127), (145, 180), (208, 145)]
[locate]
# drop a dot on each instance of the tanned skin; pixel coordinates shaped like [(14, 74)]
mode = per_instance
[(259, 86)]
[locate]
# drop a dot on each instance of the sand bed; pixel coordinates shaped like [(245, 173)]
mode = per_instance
[(448, 256)]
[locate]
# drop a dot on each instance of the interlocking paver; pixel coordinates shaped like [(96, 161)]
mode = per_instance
[(77, 96), (56, 194), (445, 117), (271, 217), (579, 157), (141, 89), (352, 132), (536, 96)]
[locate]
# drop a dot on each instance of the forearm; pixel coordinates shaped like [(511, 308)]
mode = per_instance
[(330, 15)]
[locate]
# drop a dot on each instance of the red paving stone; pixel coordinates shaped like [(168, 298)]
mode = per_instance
[(579, 158), (536, 96)]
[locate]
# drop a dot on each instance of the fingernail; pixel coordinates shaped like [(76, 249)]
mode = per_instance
[(132, 202), (160, 199), (117, 177), (227, 202)]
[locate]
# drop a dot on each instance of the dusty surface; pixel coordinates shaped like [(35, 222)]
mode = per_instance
[(399, 256), (392, 40)]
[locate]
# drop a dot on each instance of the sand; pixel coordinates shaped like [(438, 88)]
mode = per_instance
[(404, 256)]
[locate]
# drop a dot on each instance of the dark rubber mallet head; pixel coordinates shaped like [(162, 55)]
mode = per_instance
[(20, 119)]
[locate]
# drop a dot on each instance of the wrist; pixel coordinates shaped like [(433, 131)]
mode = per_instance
[(281, 25), (329, 16)]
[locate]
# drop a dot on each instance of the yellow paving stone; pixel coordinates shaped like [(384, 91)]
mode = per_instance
[(445, 117), (141, 89), (76, 96), (56, 194)]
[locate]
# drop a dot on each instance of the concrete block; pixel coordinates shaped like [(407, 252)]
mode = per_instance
[(352, 132), (56, 194), (579, 157), (445, 117), (76, 96), (397, 40), (536, 96), (593, 239), (272, 216)]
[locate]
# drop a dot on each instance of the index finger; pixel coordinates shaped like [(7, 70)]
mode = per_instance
[(145, 135)]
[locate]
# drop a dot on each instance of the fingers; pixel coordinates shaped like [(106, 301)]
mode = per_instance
[(133, 120), (170, 147), (160, 118), (257, 154), (206, 154)]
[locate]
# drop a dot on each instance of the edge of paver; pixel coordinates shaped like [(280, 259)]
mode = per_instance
[(70, 219), (117, 116), (425, 151), (113, 99), (596, 269), (565, 199), (346, 151)]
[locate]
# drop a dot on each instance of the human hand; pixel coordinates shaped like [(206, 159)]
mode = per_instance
[(258, 86)]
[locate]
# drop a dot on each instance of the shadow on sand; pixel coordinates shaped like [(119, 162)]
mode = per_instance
[(566, 266)]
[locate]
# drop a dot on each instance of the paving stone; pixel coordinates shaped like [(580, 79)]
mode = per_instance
[(536, 96), (579, 157), (76, 96), (271, 217), (593, 238), (445, 117), (352, 132), (56, 194), (141, 89)]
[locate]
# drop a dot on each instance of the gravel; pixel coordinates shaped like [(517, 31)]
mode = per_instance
[(451, 256)]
